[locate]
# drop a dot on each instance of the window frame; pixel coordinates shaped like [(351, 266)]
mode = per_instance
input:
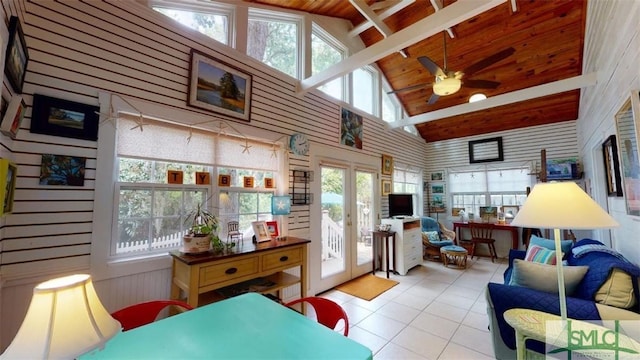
[(323, 35), (418, 196)]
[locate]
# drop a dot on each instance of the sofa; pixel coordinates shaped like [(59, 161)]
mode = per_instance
[(600, 285)]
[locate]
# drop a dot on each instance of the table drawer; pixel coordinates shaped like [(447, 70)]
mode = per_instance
[(228, 270), (281, 259)]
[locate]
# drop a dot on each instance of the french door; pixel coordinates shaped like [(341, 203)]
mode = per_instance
[(346, 213)]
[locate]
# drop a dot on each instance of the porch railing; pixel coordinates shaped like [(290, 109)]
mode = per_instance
[(332, 238)]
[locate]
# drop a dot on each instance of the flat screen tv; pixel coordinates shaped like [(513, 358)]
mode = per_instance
[(400, 205)]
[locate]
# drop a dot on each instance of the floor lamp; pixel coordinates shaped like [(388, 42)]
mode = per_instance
[(561, 205)]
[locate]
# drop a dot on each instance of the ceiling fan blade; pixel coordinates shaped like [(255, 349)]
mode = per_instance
[(489, 61), (432, 100), (480, 84), (414, 87), (433, 68)]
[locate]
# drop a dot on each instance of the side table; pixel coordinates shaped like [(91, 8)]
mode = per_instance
[(378, 237)]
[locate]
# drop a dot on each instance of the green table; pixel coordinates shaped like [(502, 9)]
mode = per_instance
[(248, 326)]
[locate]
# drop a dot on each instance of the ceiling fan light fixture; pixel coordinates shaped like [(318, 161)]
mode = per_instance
[(446, 86), (477, 97)]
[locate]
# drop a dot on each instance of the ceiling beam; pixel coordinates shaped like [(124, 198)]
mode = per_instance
[(437, 5), (576, 82), (429, 26), (371, 16), (383, 15)]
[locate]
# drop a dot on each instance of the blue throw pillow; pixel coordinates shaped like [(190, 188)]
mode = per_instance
[(565, 245)]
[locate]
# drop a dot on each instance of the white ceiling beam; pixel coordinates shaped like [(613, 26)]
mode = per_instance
[(383, 15), (453, 14), (437, 5), (383, 4), (556, 87), (371, 16)]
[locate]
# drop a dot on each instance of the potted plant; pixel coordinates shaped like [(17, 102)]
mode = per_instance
[(202, 231)]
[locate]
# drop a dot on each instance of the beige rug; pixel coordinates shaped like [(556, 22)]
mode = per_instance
[(367, 287)]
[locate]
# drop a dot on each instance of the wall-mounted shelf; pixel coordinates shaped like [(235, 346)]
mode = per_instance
[(300, 183)]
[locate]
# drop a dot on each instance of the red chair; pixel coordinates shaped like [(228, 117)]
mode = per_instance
[(328, 313), (144, 313)]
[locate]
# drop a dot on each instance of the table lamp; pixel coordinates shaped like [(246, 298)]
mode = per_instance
[(65, 319), (561, 205)]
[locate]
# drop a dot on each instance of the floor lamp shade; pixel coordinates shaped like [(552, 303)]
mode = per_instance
[(65, 319)]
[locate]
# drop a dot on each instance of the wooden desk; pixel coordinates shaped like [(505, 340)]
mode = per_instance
[(248, 326), (377, 238), (195, 277), (501, 227)]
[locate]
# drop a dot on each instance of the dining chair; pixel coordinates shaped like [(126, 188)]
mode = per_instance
[(233, 231), (328, 313), (144, 313), (482, 234)]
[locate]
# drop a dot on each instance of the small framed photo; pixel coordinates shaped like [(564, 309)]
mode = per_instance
[(272, 227), (219, 87), (488, 212), (456, 211), (17, 55), (437, 188), (437, 176), (13, 117), (224, 180), (386, 187), (260, 230), (510, 211), (387, 165), (8, 173), (52, 116), (62, 170)]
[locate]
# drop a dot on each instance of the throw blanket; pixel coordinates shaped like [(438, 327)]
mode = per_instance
[(582, 250), (600, 265)]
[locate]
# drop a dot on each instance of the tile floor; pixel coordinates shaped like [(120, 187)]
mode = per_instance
[(433, 313)]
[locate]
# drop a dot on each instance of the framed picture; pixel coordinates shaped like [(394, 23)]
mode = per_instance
[(510, 211), (488, 212), (351, 129), (13, 117), (456, 211), (52, 116), (17, 55), (627, 131), (272, 227), (486, 150), (437, 176), (387, 164), (224, 180), (62, 170), (612, 166), (260, 231), (281, 205), (386, 187), (8, 173), (217, 86), (437, 188)]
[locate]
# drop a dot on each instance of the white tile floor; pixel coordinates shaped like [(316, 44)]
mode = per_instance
[(433, 313)]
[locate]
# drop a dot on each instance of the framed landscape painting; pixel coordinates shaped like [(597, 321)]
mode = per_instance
[(17, 55), (216, 86), (52, 116)]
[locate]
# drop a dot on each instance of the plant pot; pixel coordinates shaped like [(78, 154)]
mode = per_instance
[(196, 244)]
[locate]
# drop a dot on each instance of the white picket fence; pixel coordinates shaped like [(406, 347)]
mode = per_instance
[(163, 242)]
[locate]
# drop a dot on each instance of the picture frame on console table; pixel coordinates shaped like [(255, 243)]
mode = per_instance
[(261, 231), (627, 132)]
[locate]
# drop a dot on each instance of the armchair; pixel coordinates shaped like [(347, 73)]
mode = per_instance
[(434, 236)]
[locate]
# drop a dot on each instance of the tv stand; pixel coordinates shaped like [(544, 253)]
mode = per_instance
[(408, 249)]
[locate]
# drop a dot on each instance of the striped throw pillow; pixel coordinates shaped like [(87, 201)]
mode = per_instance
[(540, 254)]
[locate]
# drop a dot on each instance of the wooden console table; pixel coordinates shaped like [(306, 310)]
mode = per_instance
[(194, 278), (504, 227)]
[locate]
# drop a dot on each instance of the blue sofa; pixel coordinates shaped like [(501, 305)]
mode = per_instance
[(581, 304)]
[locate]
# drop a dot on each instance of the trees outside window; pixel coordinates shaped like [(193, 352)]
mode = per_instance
[(216, 26), (274, 42), (324, 53)]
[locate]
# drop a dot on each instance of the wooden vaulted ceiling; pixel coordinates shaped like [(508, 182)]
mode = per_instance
[(547, 36)]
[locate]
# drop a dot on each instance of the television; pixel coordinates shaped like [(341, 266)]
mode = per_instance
[(400, 205)]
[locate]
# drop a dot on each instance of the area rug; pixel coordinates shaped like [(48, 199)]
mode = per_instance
[(367, 287)]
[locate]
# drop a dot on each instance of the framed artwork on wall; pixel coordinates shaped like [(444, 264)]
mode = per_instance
[(17, 56), (58, 117), (62, 170), (8, 173), (627, 133), (387, 164), (386, 187), (612, 166), (13, 117), (219, 87), (351, 129), (486, 150), (437, 176)]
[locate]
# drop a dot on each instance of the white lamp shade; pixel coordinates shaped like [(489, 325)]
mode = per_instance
[(65, 319), (562, 205), (446, 86)]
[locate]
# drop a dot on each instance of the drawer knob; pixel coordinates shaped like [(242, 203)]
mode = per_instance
[(284, 258), (230, 271)]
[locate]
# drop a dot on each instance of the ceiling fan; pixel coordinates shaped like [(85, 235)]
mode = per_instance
[(449, 82)]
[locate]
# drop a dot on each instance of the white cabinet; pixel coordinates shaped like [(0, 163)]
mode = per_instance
[(408, 250)]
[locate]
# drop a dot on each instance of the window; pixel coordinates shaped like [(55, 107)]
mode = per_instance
[(365, 89), (149, 216), (486, 186), (406, 180), (326, 51), (275, 41), (211, 22)]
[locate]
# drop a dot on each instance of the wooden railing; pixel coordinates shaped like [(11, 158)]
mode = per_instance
[(332, 238)]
